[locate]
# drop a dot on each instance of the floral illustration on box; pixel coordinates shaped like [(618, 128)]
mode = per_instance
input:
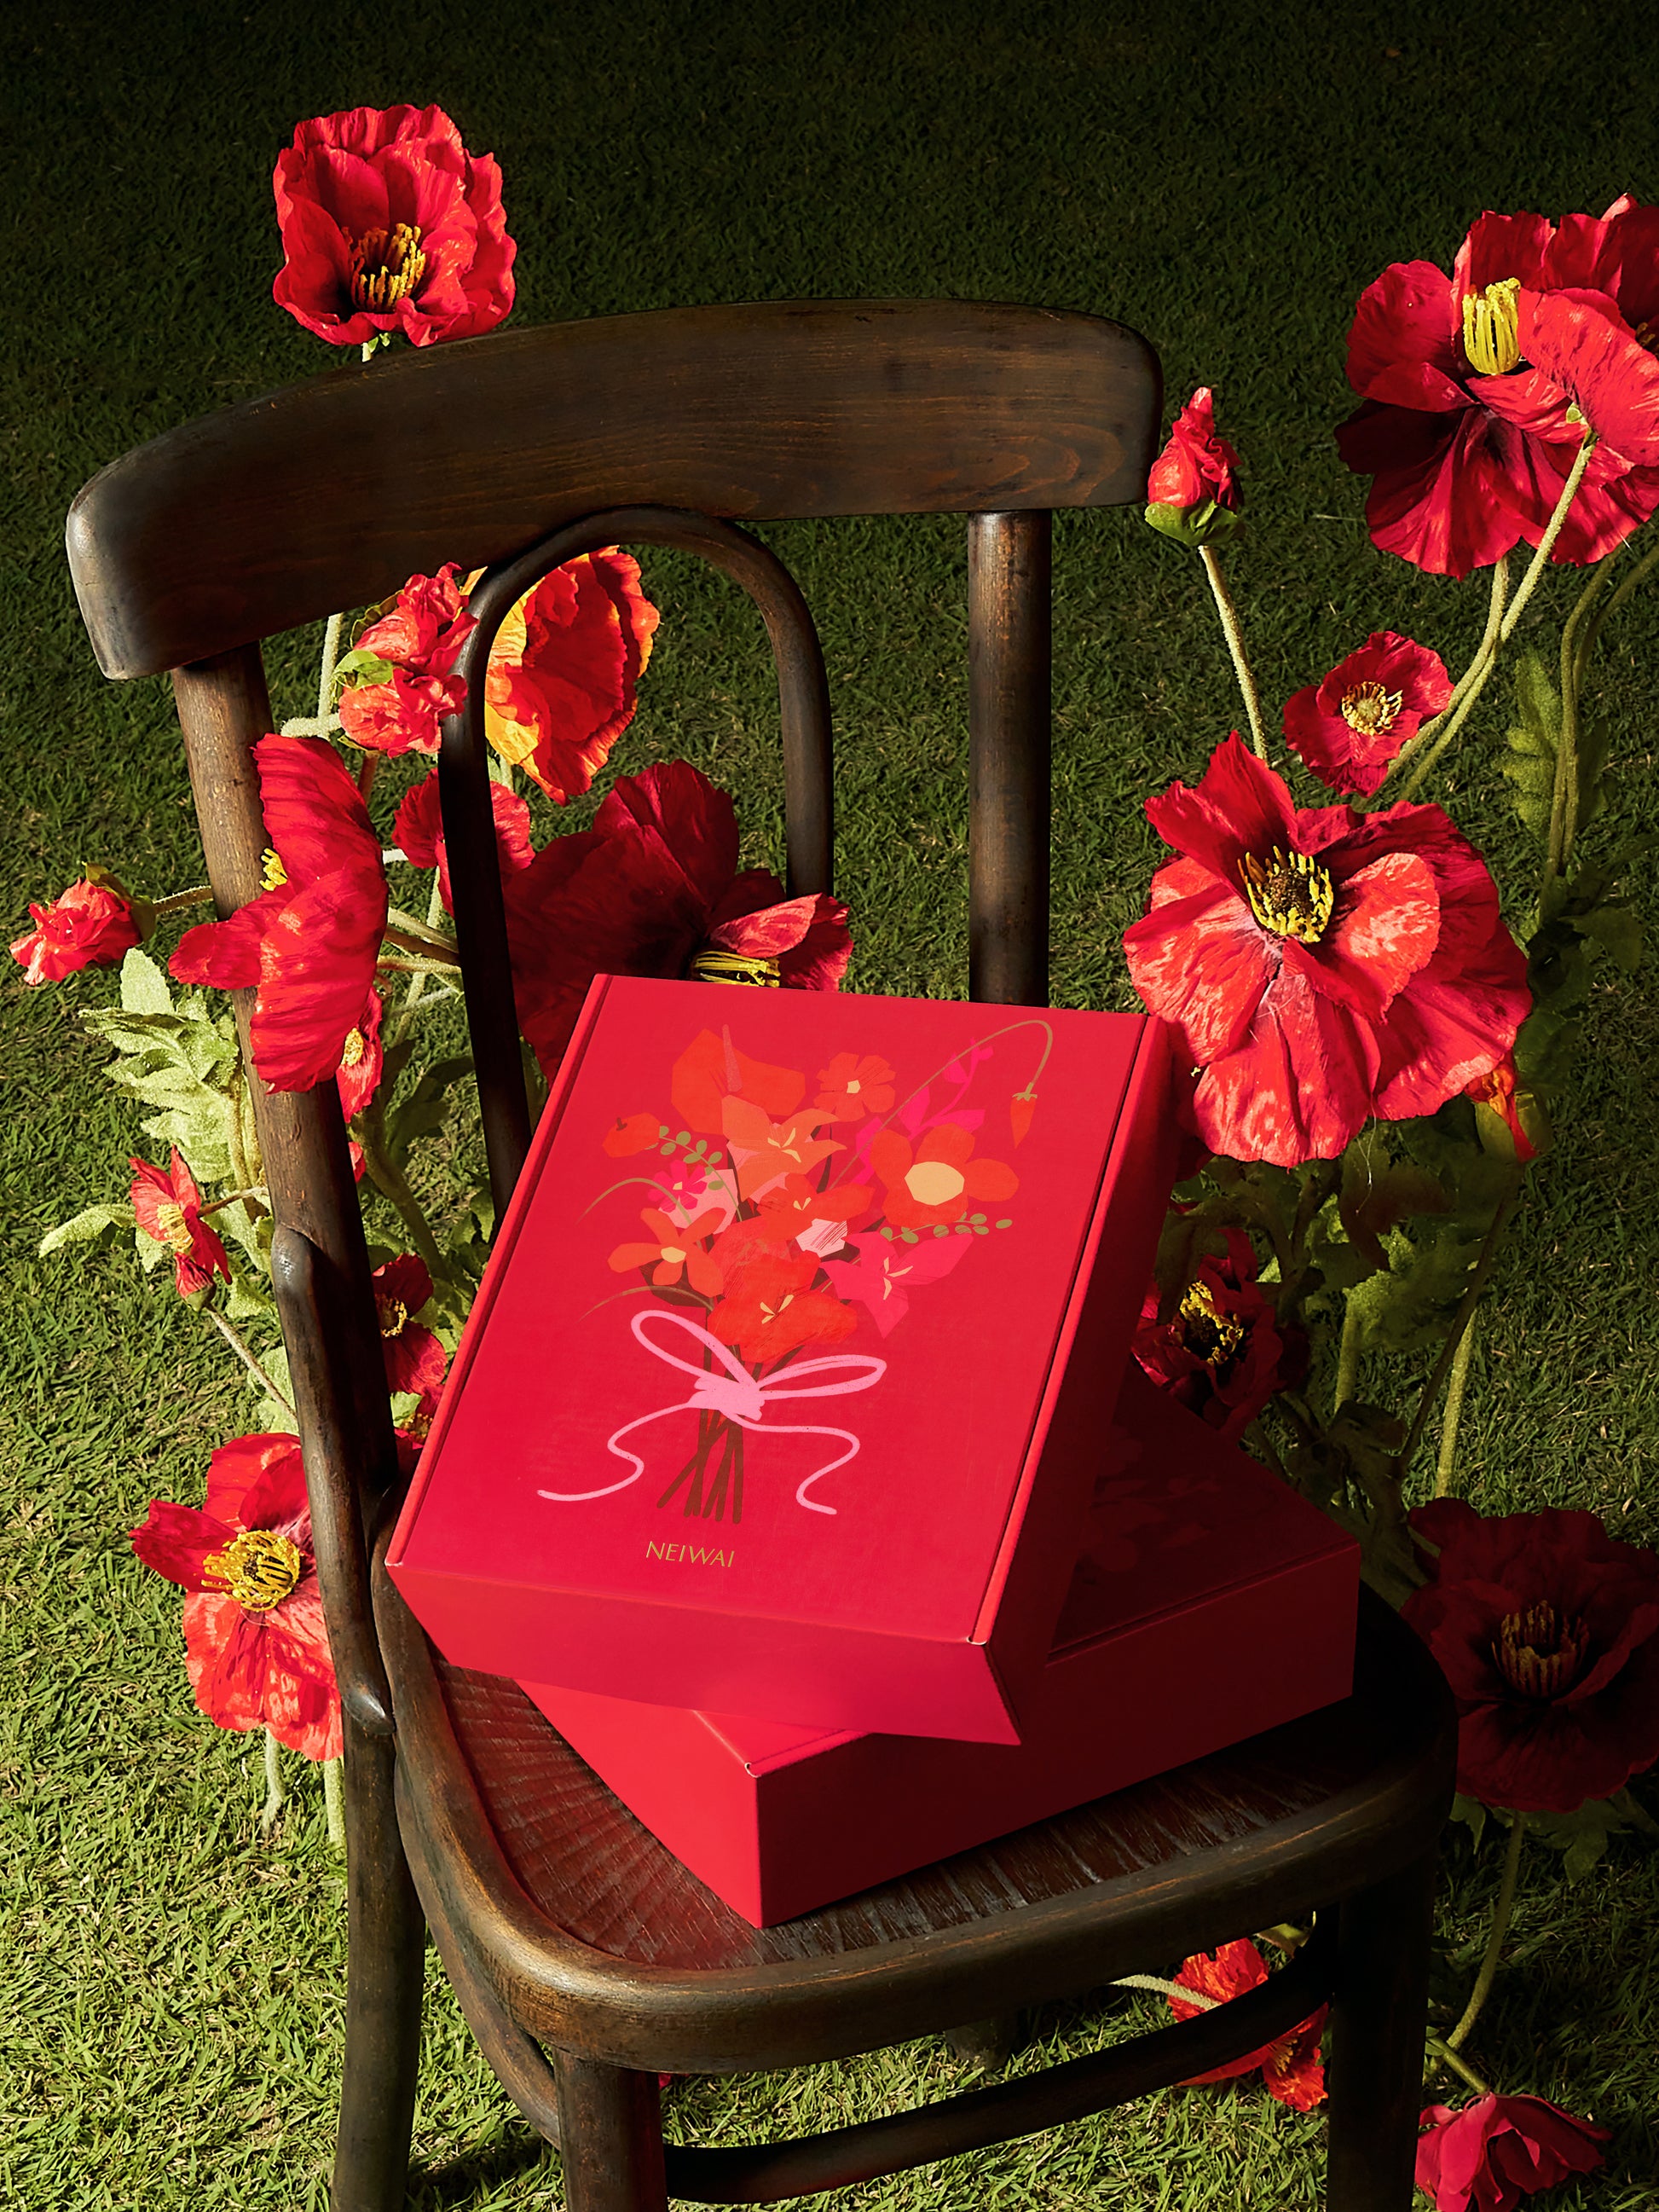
[(773, 1229)]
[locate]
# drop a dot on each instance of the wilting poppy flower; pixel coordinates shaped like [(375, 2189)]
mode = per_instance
[(407, 660), (418, 831), (1222, 1353), (1548, 1630), (1498, 2149), (93, 924), (770, 1306), (675, 1249), (1322, 966), (1193, 492), (1508, 1117), (856, 1084), (564, 669), (1291, 2065), (256, 1645), (1476, 388), (169, 1209), (934, 1182), (1348, 727), (388, 224), (310, 942), (653, 890), (414, 1355)]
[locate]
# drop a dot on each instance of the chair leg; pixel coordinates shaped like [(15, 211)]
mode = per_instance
[(385, 1961), (609, 2138), (1378, 2019)]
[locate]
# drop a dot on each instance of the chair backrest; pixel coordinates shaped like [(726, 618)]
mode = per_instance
[(517, 452)]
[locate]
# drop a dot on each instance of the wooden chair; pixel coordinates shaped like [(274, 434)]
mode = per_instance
[(585, 1957)]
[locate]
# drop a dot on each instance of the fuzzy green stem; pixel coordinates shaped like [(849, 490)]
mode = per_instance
[(239, 1345), (1438, 2047), (1348, 1357), (256, 1193), (1500, 1928), (334, 1803), (1454, 1413), (1430, 732), (411, 936), (391, 1181), (416, 991), (274, 1792), (198, 895), (1234, 635), (326, 673)]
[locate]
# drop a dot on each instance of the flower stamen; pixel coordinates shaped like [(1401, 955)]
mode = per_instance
[(1215, 1338), (393, 1315), (258, 1568), (711, 963), (176, 1229), (1490, 318), (272, 874), (1539, 1652), (1371, 710), (1289, 893), (353, 1049), (385, 267)]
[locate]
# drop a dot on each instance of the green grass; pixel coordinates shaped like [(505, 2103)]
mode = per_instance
[(1224, 179)]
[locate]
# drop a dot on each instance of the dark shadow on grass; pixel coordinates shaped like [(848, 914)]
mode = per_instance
[(458, 2181)]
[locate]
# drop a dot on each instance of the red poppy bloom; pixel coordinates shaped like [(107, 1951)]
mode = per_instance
[(389, 224), (93, 924), (564, 670), (856, 1084), (1475, 389), (675, 1249), (1547, 1631), (310, 942), (1498, 2149), (256, 1645), (361, 1060), (653, 890), (1192, 491), (1291, 2065), (416, 641), (169, 1209), (418, 831), (770, 1306), (1348, 727), (1322, 965), (414, 1357), (934, 1182), (1222, 1353)]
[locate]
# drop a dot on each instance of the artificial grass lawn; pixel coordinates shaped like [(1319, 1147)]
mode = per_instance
[(170, 2020)]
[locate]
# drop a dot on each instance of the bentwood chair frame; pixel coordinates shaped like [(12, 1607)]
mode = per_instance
[(585, 1958)]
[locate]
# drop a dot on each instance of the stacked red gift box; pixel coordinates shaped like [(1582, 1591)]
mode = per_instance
[(792, 1462)]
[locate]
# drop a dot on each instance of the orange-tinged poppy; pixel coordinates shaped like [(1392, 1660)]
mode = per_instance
[(675, 1249), (564, 671), (933, 1183)]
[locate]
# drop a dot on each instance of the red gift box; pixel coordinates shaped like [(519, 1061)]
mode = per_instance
[(1209, 1602), (784, 1387)]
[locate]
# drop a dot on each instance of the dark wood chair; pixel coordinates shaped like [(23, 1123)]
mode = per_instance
[(586, 1958)]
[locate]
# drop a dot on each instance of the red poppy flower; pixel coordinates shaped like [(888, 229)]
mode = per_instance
[(361, 1060), (255, 1644), (1475, 389), (770, 1308), (934, 1182), (418, 831), (856, 1084), (310, 942), (1348, 727), (564, 670), (675, 1249), (417, 641), (1193, 492), (388, 224), (169, 1209), (1322, 965), (93, 924), (1547, 1631), (1221, 1353), (1498, 2149), (414, 1357), (653, 890), (1291, 2065)]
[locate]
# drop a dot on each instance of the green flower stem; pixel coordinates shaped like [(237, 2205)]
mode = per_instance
[(366, 776), (326, 673), (258, 1193), (407, 967), (239, 1345), (198, 895), (274, 1791), (1438, 2047), (1483, 653), (1234, 636), (1454, 1413), (391, 1181), (1347, 1357), (1461, 1320), (411, 936), (1500, 1928), (1159, 1987), (1638, 576), (334, 1802), (434, 907)]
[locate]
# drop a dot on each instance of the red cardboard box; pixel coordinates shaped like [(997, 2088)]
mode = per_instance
[(1210, 1602), (783, 1390)]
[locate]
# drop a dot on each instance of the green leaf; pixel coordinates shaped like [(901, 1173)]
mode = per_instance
[(1473, 1813), (1407, 1308), (1616, 930), (88, 1227), (143, 985), (1582, 1837), (360, 667), (421, 1112), (1377, 1194), (1533, 741), (243, 1301)]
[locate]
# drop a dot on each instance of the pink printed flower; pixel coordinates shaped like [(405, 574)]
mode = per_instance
[(885, 1271), (1491, 2154), (93, 924), (169, 1210), (1349, 727)]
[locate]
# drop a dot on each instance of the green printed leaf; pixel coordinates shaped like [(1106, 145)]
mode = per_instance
[(88, 1227)]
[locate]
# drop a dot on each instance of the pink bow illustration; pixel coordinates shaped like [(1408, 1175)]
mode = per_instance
[(729, 1389)]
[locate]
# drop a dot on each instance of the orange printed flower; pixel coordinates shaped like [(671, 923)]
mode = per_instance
[(854, 1087), (169, 1209), (797, 1210), (935, 1184), (676, 1250), (633, 1133), (765, 1151), (563, 671), (772, 1309), (711, 1070)]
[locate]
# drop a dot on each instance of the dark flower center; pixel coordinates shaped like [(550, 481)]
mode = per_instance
[(385, 267), (1538, 1652), (711, 963), (258, 1568), (1215, 1338), (1371, 710), (1289, 893), (1490, 328), (393, 1314)]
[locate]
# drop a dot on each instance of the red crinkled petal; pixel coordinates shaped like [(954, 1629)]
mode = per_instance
[(258, 1481), (314, 815), (176, 1541), (226, 954), (357, 1083), (587, 635), (693, 819), (265, 1669), (1500, 247), (1202, 962), (808, 937), (1240, 807), (1403, 347), (418, 831), (1298, 1089), (319, 957), (1586, 348)]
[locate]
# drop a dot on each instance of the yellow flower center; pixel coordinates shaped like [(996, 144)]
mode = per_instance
[(385, 267), (353, 1049), (854, 1088), (935, 1183), (1289, 893), (393, 1313), (1539, 1653), (273, 875), (1371, 710), (769, 1314), (710, 964), (1215, 1338), (1489, 320), (673, 1254), (258, 1568), (176, 1229)]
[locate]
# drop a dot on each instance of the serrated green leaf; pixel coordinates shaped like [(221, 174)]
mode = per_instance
[(201, 1131), (151, 1251), (86, 1227), (253, 1237), (1377, 1195), (245, 1301), (421, 1112), (1473, 1813), (143, 985), (1616, 929), (1407, 1308)]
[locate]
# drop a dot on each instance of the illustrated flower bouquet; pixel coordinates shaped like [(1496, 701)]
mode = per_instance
[(1377, 1038)]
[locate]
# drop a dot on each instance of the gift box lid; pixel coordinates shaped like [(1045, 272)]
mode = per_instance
[(779, 1389)]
